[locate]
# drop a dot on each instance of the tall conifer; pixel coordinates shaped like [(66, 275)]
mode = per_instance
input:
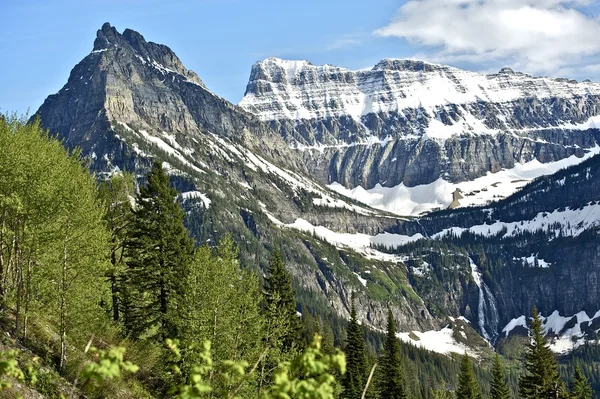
[(499, 388), (541, 378), (281, 303), (355, 378), (468, 388), (283, 328), (158, 254), (581, 388), (391, 382)]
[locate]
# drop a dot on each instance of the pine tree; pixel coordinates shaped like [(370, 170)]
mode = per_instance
[(354, 380), (391, 381), (158, 253), (468, 388), (541, 378), (280, 299), (581, 387), (499, 388), (283, 328), (116, 194)]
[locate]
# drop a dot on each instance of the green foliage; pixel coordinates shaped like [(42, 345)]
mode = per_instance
[(199, 381), (309, 376), (52, 240), (9, 369), (222, 304), (391, 379), (158, 251), (355, 378), (108, 366), (541, 378), (116, 194), (197, 385), (581, 387), (499, 388), (468, 388)]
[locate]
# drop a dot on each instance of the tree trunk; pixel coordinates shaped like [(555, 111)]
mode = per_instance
[(115, 296), (27, 296), (63, 306), (19, 271), (2, 287)]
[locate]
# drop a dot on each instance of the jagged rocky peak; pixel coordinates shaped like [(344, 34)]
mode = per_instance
[(394, 64), (507, 71), (158, 55), (128, 80)]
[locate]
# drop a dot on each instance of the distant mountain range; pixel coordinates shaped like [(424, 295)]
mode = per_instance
[(321, 161)]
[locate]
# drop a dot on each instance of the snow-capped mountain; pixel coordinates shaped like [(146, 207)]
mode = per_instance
[(408, 123), (130, 101), (280, 89)]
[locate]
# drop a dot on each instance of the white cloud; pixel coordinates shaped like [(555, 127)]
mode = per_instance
[(538, 36), (348, 40)]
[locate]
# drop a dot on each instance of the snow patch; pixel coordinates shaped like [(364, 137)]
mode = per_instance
[(357, 241), (562, 340), (440, 341), (196, 194)]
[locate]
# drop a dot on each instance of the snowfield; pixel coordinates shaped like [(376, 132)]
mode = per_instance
[(412, 201), (562, 339), (358, 242)]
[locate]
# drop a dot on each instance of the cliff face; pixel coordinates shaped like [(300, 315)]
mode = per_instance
[(413, 122)]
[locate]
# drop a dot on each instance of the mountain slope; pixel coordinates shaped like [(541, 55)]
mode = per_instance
[(130, 101)]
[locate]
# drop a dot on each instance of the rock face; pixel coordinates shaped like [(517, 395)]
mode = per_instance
[(414, 122), (128, 80)]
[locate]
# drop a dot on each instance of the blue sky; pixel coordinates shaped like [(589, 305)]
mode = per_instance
[(40, 41)]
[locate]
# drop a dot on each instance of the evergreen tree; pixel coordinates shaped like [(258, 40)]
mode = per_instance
[(283, 332), (280, 299), (391, 381), (541, 378), (158, 253), (116, 194), (354, 380), (581, 387), (468, 388), (499, 388)]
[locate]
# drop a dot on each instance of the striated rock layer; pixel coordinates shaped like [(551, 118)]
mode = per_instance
[(414, 122)]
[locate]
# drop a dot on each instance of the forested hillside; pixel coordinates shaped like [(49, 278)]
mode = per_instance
[(105, 295)]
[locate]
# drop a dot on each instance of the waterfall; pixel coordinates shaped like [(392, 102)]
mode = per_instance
[(494, 319), (486, 306)]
